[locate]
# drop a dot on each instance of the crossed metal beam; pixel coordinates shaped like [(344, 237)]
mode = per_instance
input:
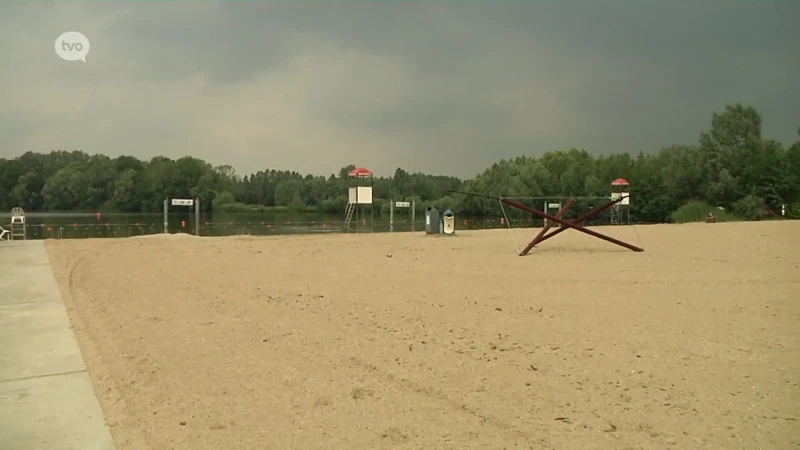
[(567, 224)]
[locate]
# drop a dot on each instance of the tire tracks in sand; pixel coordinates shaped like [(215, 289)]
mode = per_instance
[(109, 392)]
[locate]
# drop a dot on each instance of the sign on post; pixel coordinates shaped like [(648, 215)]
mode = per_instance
[(554, 205), (184, 202), (402, 204)]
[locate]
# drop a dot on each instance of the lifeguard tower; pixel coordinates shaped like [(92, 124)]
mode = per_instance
[(621, 212), (18, 226), (360, 181)]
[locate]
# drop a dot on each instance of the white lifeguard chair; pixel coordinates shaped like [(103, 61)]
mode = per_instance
[(621, 212), (359, 193), (18, 225)]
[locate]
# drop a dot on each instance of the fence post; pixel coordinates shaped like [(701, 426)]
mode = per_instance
[(197, 217), (413, 213), (391, 215), (166, 224)]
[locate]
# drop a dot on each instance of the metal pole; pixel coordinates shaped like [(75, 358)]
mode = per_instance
[(358, 184), (197, 217), (391, 215), (166, 224), (413, 213), (545, 223)]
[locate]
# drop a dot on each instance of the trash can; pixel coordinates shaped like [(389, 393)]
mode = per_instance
[(432, 221), (448, 223)]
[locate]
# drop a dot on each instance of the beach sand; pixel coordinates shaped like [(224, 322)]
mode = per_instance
[(406, 341)]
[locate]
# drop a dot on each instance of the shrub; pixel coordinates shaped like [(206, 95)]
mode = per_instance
[(223, 198), (750, 207), (793, 211), (697, 211)]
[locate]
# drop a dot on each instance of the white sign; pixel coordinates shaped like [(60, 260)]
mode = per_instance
[(554, 205), (72, 46), (182, 202), (402, 204)]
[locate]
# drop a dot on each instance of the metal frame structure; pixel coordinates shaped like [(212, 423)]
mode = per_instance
[(183, 202), (565, 224), (355, 197), (411, 206), (621, 212), (19, 225), (549, 204)]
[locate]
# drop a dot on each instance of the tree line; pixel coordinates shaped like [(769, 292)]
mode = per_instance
[(732, 166)]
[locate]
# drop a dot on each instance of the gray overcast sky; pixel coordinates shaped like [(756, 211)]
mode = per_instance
[(444, 87)]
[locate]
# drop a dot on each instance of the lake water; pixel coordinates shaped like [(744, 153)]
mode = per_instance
[(70, 225)]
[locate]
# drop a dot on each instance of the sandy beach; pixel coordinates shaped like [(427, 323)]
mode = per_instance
[(404, 341)]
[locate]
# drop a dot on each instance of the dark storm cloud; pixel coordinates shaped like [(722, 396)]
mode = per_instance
[(435, 86)]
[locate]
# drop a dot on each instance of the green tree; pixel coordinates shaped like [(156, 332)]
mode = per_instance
[(125, 195), (65, 190), (285, 192), (223, 198), (732, 166)]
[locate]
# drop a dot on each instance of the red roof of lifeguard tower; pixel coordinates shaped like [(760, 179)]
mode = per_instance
[(360, 172), (620, 181)]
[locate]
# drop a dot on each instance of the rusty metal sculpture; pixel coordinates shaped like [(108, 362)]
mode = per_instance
[(565, 224)]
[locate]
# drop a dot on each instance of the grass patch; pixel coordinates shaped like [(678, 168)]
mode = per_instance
[(697, 211)]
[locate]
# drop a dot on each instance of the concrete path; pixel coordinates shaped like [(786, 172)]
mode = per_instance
[(47, 401)]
